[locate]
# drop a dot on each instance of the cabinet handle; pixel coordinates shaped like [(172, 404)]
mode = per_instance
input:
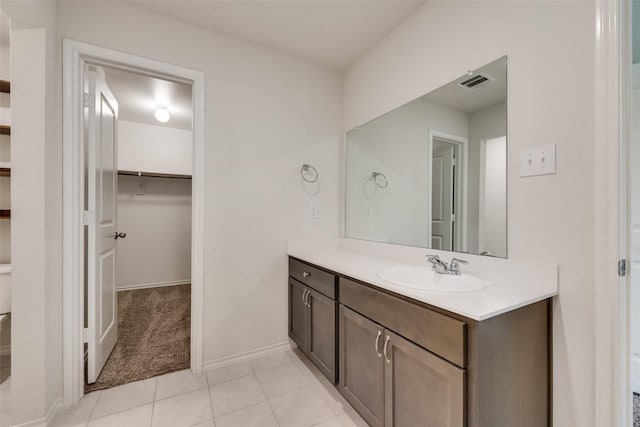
[(306, 301), (304, 297), (384, 350), (306, 274), (377, 346)]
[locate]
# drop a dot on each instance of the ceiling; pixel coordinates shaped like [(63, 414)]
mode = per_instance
[(333, 33), (138, 96)]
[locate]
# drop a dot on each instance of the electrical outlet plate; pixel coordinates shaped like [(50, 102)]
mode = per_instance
[(539, 160)]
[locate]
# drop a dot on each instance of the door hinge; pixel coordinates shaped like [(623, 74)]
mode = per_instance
[(88, 335), (89, 100), (88, 218), (622, 267)]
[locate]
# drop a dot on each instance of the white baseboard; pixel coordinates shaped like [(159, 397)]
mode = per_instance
[(244, 357), (53, 411), (56, 406), (153, 285)]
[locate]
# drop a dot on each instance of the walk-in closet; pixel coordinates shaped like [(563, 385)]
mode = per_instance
[(138, 215)]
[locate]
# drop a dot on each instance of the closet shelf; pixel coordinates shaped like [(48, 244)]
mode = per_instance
[(154, 174), (5, 86), (5, 130), (5, 213)]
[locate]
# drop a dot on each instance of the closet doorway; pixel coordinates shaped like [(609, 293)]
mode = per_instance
[(138, 146), (133, 214)]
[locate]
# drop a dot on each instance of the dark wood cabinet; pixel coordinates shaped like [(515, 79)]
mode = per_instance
[(322, 333), (312, 315), (298, 314), (420, 388), (362, 365), (405, 363), (392, 382)]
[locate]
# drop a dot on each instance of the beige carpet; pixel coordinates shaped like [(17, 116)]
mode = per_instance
[(154, 331)]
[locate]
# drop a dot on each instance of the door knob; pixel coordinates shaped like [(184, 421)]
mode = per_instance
[(119, 235)]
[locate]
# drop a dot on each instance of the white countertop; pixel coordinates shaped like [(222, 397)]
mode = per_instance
[(513, 284)]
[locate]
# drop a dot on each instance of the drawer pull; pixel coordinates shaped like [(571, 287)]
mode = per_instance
[(384, 350), (377, 346), (306, 274)]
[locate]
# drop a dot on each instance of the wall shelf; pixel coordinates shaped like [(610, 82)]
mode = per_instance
[(5, 86), (5, 213), (5, 171), (5, 130)]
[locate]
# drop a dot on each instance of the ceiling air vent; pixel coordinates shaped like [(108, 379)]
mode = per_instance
[(477, 81)]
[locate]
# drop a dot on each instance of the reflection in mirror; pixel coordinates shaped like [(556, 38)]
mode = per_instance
[(433, 173)]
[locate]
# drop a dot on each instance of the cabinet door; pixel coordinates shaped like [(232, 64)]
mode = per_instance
[(322, 337), (298, 315), (421, 389), (362, 365)]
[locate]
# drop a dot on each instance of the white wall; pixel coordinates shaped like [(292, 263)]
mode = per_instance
[(148, 148), (157, 249), (36, 224), (266, 114), (550, 100), (483, 124), (396, 145)]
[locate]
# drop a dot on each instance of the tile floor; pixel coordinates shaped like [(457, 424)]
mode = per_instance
[(280, 390)]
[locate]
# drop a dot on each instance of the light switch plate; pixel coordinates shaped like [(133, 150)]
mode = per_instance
[(538, 161)]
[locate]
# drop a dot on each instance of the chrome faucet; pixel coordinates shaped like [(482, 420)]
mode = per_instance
[(441, 267)]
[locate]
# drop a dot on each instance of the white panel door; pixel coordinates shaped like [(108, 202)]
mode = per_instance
[(102, 190), (634, 270), (442, 200)]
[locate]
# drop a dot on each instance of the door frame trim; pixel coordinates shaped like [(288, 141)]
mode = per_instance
[(612, 397), (462, 196), (75, 54)]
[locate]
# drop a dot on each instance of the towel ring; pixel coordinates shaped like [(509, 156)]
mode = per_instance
[(309, 173), (380, 184)]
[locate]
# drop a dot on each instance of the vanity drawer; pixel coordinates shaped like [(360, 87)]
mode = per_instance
[(436, 332), (313, 277)]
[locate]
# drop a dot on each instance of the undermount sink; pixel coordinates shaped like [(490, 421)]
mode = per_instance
[(423, 278)]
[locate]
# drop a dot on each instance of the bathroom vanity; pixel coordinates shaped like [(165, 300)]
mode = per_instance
[(400, 360)]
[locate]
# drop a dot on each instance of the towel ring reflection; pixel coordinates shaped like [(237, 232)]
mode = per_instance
[(383, 182), (309, 173)]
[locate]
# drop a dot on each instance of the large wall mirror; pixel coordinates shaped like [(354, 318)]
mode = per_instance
[(433, 172)]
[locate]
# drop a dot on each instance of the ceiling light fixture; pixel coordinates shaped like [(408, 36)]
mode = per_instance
[(162, 114)]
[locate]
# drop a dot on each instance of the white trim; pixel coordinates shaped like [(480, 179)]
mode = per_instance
[(74, 55), (462, 196), (53, 411), (56, 407), (247, 356), (611, 342), (152, 285)]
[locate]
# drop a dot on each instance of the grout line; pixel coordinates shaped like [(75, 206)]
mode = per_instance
[(213, 416), (153, 407), (266, 399)]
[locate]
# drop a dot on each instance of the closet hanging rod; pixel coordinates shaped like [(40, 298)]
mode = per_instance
[(154, 174)]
